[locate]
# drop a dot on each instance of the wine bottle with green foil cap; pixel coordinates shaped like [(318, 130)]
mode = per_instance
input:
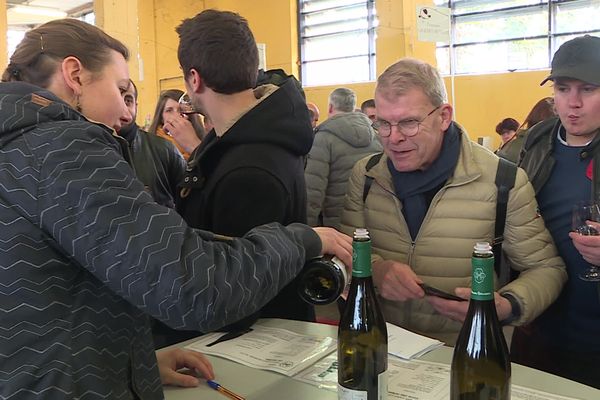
[(480, 365), (362, 334)]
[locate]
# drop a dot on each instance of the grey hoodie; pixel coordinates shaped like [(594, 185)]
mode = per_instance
[(339, 143)]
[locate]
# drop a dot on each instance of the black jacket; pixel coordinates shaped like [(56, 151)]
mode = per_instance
[(536, 156), (86, 254), (254, 174), (156, 162)]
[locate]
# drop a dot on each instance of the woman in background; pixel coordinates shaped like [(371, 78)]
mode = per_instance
[(185, 131), (542, 110)]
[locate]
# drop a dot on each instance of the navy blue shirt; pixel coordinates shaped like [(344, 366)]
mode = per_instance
[(573, 321)]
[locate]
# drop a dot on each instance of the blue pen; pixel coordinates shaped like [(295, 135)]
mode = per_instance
[(223, 390)]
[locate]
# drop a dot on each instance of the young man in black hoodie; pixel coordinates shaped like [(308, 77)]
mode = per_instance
[(249, 170)]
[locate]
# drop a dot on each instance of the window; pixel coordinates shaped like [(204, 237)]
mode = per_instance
[(508, 35), (337, 41)]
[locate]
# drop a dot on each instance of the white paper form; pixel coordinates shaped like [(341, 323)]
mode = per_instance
[(407, 344), (411, 380), (267, 348)]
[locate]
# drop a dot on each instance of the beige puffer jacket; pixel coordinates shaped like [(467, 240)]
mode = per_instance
[(461, 213)]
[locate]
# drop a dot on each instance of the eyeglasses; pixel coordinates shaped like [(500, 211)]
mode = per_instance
[(407, 128)]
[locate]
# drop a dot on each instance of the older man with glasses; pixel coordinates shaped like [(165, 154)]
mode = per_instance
[(428, 199)]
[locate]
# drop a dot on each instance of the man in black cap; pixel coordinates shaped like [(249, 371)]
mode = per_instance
[(562, 158)]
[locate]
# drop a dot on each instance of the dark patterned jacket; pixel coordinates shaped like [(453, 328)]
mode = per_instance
[(85, 254)]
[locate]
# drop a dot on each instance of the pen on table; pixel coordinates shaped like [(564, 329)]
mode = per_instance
[(224, 390)]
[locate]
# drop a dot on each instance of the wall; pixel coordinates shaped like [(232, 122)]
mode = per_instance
[(480, 101), (3, 40)]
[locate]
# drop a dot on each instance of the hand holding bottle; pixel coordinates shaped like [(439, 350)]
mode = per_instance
[(335, 243)]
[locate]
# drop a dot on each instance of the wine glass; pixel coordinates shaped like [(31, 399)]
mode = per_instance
[(583, 212), (185, 105)]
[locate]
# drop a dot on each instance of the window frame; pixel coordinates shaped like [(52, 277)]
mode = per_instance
[(552, 37), (371, 34)]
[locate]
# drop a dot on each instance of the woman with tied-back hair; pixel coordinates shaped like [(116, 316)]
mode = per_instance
[(86, 254), (186, 132), (542, 110)]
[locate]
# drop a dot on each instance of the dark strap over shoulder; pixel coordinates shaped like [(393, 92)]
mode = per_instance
[(369, 179), (505, 181)]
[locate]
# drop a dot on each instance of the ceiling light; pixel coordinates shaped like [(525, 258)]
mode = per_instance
[(42, 11)]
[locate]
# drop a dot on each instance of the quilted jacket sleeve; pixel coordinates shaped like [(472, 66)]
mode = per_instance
[(531, 250), (317, 176), (354, 216), (99, 215)]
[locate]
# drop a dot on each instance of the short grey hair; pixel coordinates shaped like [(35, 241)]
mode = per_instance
[(409, 73), (343, 99)]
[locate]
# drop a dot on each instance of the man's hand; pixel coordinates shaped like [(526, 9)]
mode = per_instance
[(457, 310), (588, 246), (183, 132), (396, 281), (172, 360), (336, 243)]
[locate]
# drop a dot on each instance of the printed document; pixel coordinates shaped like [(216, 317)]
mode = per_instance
[(267, 348)]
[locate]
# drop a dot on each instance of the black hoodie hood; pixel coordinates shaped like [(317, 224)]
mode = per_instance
[(281, 119)]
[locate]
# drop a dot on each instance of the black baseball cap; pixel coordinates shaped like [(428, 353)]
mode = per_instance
[(579, 59)]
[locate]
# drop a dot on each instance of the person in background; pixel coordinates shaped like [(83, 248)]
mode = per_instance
[(343, 139), (541, 111), (313, 113), (249, 169), (507, 129), (156, 161), (561, 157), (184, 131), (432, 196), (87, 254), (368, 108)]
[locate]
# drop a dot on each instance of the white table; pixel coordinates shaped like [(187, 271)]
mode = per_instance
[(256, 384)]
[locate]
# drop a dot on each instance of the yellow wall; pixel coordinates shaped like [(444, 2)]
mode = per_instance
[(3, 43), (279, 34), (480, 101)]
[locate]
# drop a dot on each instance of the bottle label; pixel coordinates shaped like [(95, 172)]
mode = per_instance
[(348, 394), (342, 267), (382, 389), (482, 284), (361, 258)]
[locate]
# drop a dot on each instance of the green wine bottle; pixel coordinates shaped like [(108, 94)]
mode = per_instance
[(362, 334), (322, 280), (480, 364)]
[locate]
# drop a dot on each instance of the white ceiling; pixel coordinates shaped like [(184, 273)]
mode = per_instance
[(19, 18)]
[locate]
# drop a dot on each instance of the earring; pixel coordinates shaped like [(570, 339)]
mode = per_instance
[(77, 104)]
